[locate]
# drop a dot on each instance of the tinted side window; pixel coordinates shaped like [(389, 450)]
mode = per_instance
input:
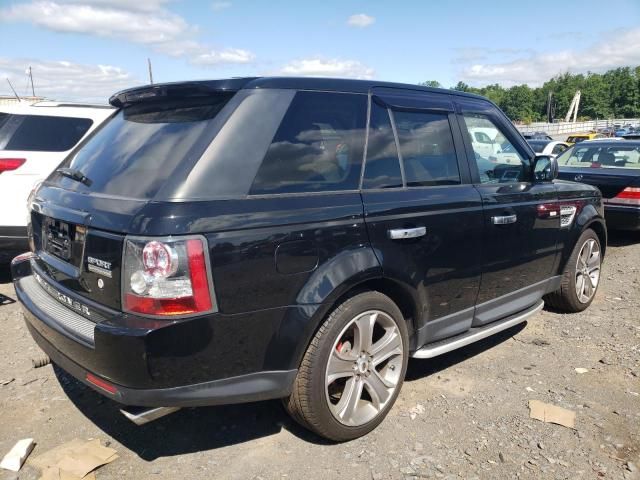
[(497, 161), (317, 147), (382, 169), (426, 148), (43, 133)]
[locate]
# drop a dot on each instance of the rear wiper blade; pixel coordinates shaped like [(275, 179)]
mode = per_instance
[(74, 174)]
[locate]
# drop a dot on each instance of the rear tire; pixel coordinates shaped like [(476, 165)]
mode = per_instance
[(581, 276), (353, 370)]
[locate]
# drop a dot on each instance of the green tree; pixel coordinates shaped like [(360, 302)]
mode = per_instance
[(431, 83), (517, 103), (461, 87), (615, 93), (623, 92), (594, 101)]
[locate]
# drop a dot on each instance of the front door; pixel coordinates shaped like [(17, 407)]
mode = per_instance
[(521, 217), (423, 216)]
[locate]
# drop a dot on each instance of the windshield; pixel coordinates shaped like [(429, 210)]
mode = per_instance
[(601, 156), (576, 139), (136, 151)]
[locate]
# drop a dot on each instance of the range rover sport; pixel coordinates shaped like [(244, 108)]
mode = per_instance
[(237, 240)]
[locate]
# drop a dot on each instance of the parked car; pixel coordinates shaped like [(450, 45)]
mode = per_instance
[(607, 131), (614, 167), (632, 136), (545, 147), (222, 241), (577, 138), (537, 136), (491, 145), (34, 139)]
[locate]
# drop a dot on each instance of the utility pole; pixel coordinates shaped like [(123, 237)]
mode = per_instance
[(13, 89), (150, 71), (33, 92), (550, 107)]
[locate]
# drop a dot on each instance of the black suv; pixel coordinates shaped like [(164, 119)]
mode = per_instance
[(246, 239)]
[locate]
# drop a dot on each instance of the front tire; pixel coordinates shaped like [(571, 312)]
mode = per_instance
[(581, 276), (353, 370)]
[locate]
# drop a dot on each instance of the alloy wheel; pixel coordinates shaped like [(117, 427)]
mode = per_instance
[(364, 368), (588, 270)]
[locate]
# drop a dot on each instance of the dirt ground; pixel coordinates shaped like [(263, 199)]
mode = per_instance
[(462, 415)]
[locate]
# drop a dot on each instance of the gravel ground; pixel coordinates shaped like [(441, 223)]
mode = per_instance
[(462, 415)]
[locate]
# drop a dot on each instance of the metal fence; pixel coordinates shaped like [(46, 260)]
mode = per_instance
[(577, 127), (9, 100)]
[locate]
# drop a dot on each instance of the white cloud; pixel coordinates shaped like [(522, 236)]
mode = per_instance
[(146, 22), (63, 80), (360, 20), (137, 5), (612, 51), (322, 67), (231, 55), (217, 6)]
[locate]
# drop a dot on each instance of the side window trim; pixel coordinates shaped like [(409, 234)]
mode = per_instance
[(367, 128), (397, 142), (361, 187), (461, 150)]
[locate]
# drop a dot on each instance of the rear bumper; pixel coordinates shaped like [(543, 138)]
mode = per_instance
[(126, 357), (13, 241), (621, 217)]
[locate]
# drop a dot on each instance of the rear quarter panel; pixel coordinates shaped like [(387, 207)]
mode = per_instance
[(589, 214)]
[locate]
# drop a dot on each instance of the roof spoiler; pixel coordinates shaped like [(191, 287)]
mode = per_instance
[(165, 91)]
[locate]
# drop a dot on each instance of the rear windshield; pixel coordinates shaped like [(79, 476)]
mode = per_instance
[(136, 151), (41, 133), (601, 156), (538, 147)]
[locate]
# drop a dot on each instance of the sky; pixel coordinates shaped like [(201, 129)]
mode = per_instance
[(88, 49)]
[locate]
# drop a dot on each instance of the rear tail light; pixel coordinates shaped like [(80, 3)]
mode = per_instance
[(167, 277), (629, 196), (9, 164)]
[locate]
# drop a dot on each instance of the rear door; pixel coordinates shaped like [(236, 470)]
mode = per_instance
[(521, 217), (423, 217)]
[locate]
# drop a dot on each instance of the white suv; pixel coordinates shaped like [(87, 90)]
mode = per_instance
[(34, 139)]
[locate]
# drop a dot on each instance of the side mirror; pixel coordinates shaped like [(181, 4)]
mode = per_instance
[(545, 168)]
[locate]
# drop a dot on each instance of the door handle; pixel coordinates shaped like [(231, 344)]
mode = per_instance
[(504, 219), (402, 233)]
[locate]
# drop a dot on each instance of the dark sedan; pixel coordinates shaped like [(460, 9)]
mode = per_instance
[(614, 167)]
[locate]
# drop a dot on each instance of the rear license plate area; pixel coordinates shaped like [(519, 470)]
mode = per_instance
[(63, 240)]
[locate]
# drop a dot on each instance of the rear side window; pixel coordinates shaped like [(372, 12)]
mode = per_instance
[(42, 133), (426, 148), (317, 147), (382, 168)]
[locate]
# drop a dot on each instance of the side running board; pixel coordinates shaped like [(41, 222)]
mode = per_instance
[(434, 349)]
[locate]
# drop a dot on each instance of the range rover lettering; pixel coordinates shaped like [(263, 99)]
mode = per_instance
[(237, 240)]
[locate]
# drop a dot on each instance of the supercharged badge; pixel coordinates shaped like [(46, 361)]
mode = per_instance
[(101, 267)]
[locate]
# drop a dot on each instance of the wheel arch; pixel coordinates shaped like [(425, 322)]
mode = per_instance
[(598, 226), (399, 294)]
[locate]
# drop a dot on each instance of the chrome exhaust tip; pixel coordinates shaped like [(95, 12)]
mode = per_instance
[(142, 415)]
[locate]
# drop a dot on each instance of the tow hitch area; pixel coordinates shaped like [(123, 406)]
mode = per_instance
[(142, 415)]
